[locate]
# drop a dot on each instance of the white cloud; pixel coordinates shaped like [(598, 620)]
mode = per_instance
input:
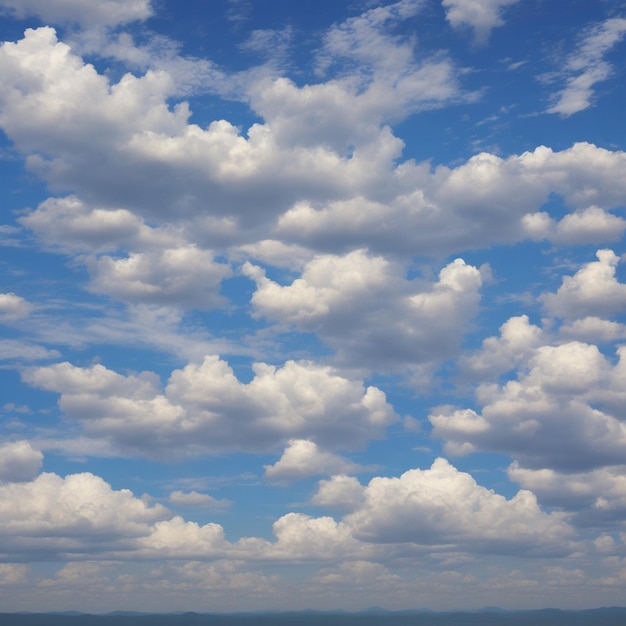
[(194, 498), (445, 507), (303, 458), (587, 67), (185, 277), (481, 15), (593, 330), (339, 492), (92, 13), (592, 291), (518, 339), (205, 409), (592, 225), (321, 170), (570, 388), (19, 461), (13, 307), (596, 496), (73, 226), (364, 308), (25, 351), (64, 517)]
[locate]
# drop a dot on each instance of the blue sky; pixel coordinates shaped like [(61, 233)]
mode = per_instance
[(312, 305)]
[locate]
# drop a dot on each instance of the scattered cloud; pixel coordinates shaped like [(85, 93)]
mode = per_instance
[(587, 67)]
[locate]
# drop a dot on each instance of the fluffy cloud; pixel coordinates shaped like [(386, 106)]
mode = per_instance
[(518, 339), (94, 13), (570, 388), (166, 277), (319, 187), (481, 15), (597, 497), (73, 226), (364, 308), (13, 307), (204, 408), (479, 202), (303, 458), (592, 291), (19, 461), (63, 517), (587, 66), (339, 492), (442, 506), (593, 330)]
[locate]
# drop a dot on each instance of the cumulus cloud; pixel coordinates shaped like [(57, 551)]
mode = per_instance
[(322, 169), (205, 408), (481, 15), (569, 388), (364, 308), (95, 13), (443, 506), (54, 517), (587, 67), (303, 458), (19, 461), (13, 307), (598, 496), (593, 330), (592, 291), (185, 277), (339, 492), (517, 341), (71, 225)]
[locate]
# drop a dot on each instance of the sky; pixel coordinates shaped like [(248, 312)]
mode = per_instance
[(312, 304)]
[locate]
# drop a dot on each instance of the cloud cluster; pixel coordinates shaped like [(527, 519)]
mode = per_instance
[(81, 515), (205, 408), (363, 307)]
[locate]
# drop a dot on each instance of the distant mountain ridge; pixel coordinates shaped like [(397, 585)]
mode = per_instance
[(374, 616)]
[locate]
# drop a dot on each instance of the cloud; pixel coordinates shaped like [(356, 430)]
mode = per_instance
[(19, 461), (592, 291), (71, 225), (196, 499), (205, 409), (95, 13), (498, 355), (339, 492), (166, 277), (569, 388), (303, 458), (593, 330), (19, 350), (321, 171), (481, 15), (364, 308), (589, 226), (13, 307), (445, 507), (598, 496), (587, 67), (54, 517)]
